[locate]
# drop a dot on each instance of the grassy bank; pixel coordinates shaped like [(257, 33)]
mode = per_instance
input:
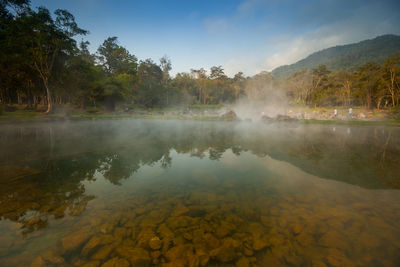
[(21, 115)]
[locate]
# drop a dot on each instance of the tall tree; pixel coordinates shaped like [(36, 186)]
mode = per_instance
[(345, 81), (319, 75), (200, 75), (238, 84), (391, 70), (84, 52), (115, 59), (47, 40), (165, 65), (217, 72), (150, 83), (367, 81)]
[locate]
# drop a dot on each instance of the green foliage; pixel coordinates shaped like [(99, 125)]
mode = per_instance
[(116, 59), (394, 113)]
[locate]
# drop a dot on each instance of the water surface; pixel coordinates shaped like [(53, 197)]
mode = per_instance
[(184, 193)]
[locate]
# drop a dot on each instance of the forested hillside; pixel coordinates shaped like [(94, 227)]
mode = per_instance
[(348, 57)]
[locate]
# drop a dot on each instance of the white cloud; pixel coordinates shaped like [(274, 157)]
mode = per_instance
[(366, 22)]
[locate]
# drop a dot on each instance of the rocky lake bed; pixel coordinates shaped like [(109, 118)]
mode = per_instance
[(199, 194)]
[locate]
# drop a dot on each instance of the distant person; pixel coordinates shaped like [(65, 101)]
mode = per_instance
[(350, 112), (335, 113)]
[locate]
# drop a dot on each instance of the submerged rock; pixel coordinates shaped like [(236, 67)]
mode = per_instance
[(116, 262), (52, 257), (92, 264), (226, 252), (164, 231), (155, 243), (90, 245), (179, 210), (136, 256), (103, 252), (203, 257), (38, 262), (73, 241), (243, 262), (259, 244), (49, 258)]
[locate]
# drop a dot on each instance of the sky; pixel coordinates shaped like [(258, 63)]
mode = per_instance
[(240, 35)]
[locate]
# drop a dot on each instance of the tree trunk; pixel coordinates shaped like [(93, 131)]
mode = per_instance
[(48, 96), (378, 103), (391, 89), (35, 102), (18, 98), (1, 97)]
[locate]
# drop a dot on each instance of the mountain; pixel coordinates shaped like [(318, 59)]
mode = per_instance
[(348, 57)]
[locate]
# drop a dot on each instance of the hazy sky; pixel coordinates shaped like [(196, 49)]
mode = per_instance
[(247, 35)]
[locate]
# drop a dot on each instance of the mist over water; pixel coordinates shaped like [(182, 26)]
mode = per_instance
[(211, 192), (263, 98)]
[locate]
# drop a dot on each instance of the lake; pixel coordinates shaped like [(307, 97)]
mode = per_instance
[(195, 193)]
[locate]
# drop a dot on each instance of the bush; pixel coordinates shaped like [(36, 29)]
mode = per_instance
[(93, 110), (129, 107), (10, 108), (394, 113)]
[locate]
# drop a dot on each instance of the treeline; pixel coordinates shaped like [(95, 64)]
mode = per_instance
[(42, 64), (372, 85)]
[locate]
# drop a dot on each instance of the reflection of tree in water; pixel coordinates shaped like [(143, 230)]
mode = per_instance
[(50, 185), (67, 156), (53, 193)]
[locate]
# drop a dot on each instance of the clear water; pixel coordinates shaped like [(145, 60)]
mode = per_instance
[(186, 193)]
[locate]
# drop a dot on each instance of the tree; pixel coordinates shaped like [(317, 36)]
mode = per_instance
[(200, 75), (260, 87), (18, 6), (391, 70), (344, 80), (14, 76), (84, 52), (367, 77), (165, 65), (49, 39), (319, 77), (116, 59), (238, 84), (83, 82), (217, 72), (299, 86), (150, 88)]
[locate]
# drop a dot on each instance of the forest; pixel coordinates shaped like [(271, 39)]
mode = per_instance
[(43, 66)]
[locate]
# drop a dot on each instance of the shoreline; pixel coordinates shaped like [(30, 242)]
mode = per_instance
[(48, 118)]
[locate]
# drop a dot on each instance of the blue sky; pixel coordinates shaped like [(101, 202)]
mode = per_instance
[(246, 35)]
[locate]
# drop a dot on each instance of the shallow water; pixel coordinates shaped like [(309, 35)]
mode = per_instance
[(184, 193)]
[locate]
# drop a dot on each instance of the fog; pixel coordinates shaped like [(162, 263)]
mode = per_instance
[(263, 98), (325, 151)]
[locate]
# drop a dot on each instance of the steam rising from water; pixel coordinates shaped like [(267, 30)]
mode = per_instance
[(264, 97)]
